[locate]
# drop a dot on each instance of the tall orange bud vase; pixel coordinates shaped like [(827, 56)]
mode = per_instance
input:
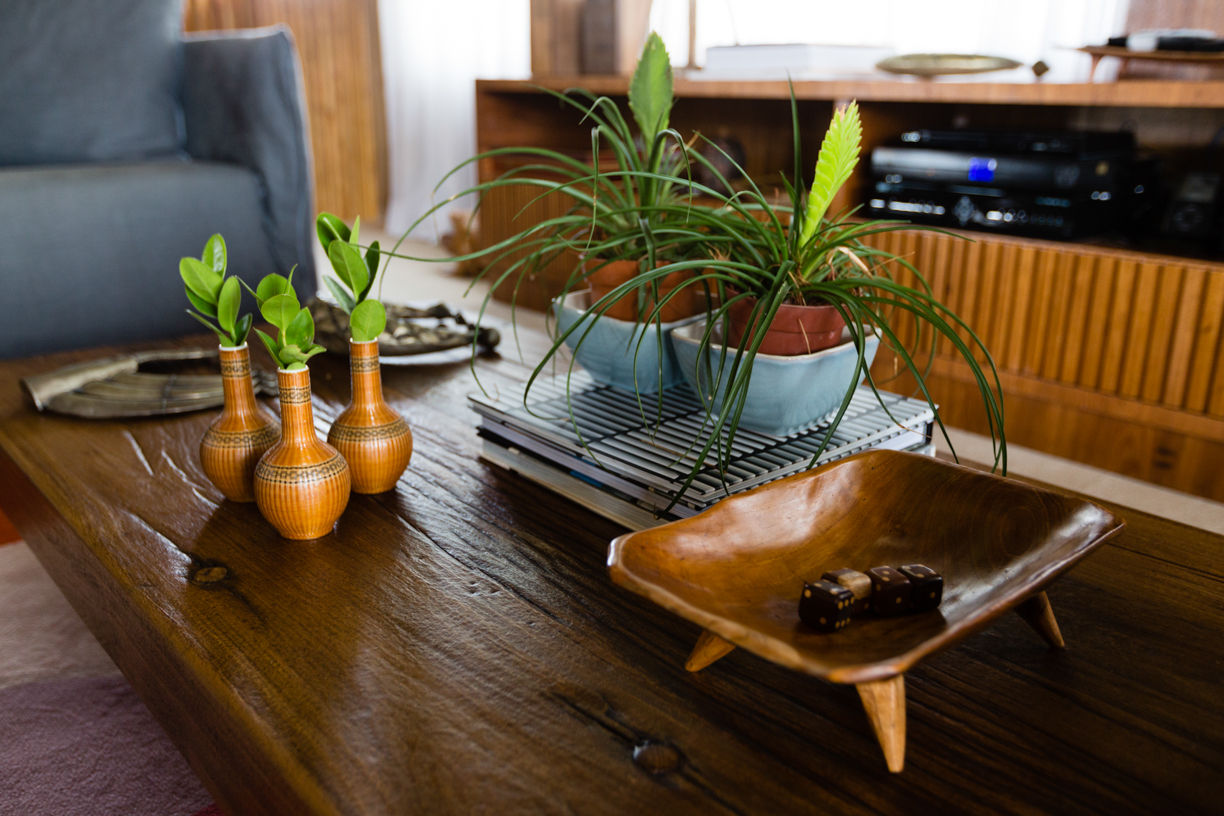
[(302, 484), (241, 434), (374, 439)]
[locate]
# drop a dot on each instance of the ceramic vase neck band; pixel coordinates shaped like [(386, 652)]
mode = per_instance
[(297, 416), (236, 380), (364, 371)]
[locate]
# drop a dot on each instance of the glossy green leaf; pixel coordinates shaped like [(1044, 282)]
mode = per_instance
[(300, 330), (330, 228), (349, 266), (202, 306), (215, 255), (227, 305), (367, 321), (270, 345), (292, 352), (372, 256), (222, 336), (312, 351), (650, 90), (355, 233), (279, 310), (342, 296), (272, 285), (242, 329), (200, 279)]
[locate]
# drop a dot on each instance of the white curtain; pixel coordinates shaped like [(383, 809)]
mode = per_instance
[(1027, 31), (432, 52)]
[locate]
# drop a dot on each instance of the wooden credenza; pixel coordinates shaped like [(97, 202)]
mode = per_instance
[(1108, 356)]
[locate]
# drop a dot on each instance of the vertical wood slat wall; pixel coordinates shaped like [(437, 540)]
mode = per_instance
[(1127, 340), (338, 45)]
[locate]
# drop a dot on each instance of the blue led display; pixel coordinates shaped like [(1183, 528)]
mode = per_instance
[(982, 169)]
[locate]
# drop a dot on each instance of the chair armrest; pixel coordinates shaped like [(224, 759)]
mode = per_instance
[(243, 103)]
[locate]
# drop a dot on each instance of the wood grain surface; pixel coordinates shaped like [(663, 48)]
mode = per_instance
[(457, 647)]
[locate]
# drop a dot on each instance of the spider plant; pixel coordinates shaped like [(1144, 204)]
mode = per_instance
[(767, 255), (621, 204)]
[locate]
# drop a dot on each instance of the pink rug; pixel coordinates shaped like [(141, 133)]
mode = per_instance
[(74, 737)]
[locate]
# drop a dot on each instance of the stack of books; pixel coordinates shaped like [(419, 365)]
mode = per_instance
[(629, 460)]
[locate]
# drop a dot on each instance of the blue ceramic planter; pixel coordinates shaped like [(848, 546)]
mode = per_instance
[(608, 351), (785, 394)]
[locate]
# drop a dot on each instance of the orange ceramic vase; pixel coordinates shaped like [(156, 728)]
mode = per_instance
[(245, 430), (301, 484), (374, 439)]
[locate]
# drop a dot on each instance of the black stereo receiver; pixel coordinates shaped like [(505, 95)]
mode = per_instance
[(1051, 184)]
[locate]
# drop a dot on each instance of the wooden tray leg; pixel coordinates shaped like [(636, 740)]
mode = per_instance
[(885, 704), (1038, 614), (710, 648)]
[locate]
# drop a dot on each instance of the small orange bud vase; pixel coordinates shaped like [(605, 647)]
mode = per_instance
[(245, 430), (302, 484), (374, 439)]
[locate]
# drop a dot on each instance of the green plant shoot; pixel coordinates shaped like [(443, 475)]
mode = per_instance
[(839, 155), (355, 276), (294, 343), (215, 298)]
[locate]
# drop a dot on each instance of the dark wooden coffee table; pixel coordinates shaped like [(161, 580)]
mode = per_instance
[(457, 647)]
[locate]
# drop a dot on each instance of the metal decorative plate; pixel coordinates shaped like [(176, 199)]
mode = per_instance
[(930, 65)]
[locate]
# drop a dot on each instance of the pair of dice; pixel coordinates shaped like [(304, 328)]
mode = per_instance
[(828, 604)]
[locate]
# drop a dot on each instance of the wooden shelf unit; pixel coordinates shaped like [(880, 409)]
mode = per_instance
[(1110, 357)]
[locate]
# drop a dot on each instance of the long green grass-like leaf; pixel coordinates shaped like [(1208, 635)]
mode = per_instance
[(839, 154)]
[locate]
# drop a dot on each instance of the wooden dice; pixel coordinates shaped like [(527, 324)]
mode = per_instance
[(926, 586), (825, 606), (891, 592), (855, 581)]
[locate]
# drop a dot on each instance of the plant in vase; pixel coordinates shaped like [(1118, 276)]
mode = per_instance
[(302, 484), (625, 208), (245, 429), (374, 439), (792, 281)]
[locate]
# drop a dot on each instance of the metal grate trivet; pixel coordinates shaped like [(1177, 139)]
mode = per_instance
[(645, 452)]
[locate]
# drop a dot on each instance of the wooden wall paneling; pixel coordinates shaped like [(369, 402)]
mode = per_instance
[(1181, 349), (1039, 316), (1054, 331), (1097, 328), (1077, 344), (1215, 403), (1119, 324), (1206, 355), (1020, 286), (1161, 329), (338, 45), (1137, 339)]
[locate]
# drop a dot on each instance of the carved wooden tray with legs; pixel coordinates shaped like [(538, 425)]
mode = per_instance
[(738, 569)]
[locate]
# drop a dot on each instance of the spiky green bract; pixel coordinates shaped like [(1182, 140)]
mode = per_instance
[(293, 344), (215, 298), (839, 154), (650, 90)]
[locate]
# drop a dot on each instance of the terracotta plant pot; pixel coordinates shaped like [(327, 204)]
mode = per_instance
[(373, 438), (794, 330), (242, 433), (302, 484), (603, 279)]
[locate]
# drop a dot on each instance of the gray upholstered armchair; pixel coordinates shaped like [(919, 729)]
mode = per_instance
[(123, 146)]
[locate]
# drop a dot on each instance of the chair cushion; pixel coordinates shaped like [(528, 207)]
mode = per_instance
[(92, 251), (90, 80)]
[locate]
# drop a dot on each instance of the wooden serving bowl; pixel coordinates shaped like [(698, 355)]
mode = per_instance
[(738, 569)]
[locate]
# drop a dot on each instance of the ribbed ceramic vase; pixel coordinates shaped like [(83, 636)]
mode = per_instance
[(242, 433), (302, 484), (374, 439)]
